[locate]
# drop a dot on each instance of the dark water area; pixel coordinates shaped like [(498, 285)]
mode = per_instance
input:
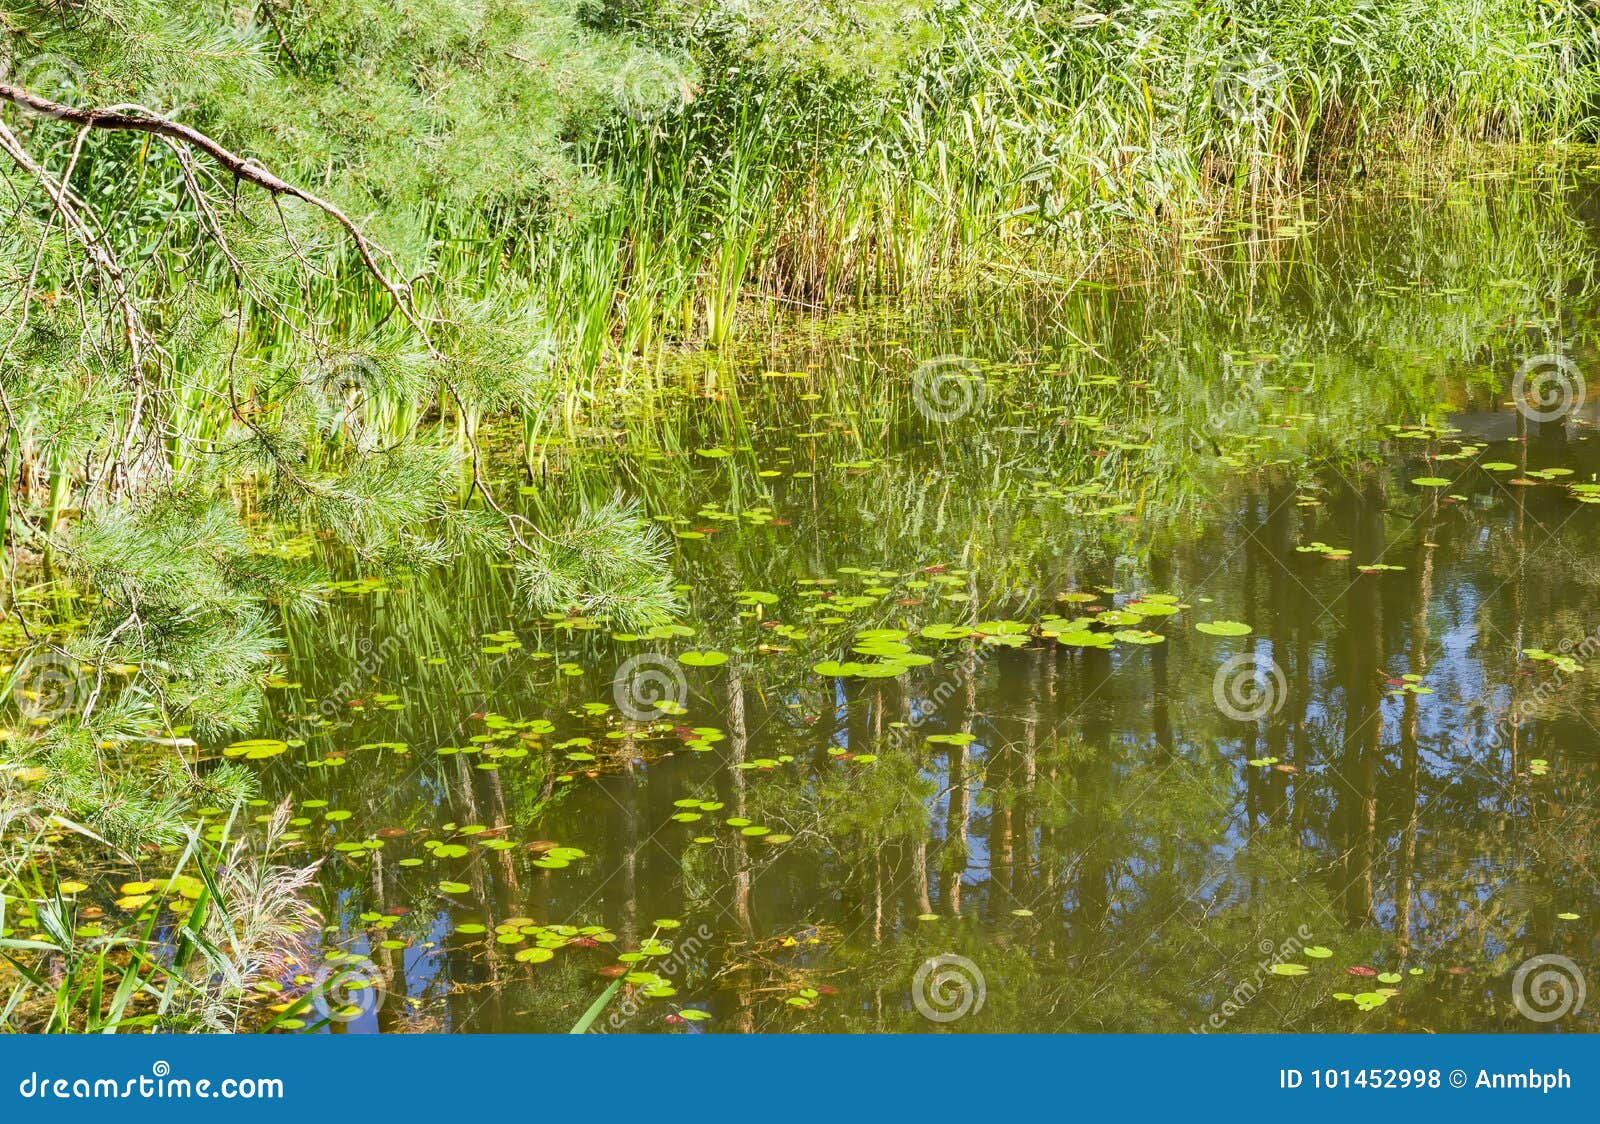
[(1214, 648)]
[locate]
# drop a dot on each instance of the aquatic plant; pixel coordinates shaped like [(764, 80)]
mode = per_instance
[(240, 917)]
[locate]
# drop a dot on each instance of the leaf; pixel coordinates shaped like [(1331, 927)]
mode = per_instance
[(702, 659), (255, 749), (586, 1020), (1224, 628), (1290, 969)]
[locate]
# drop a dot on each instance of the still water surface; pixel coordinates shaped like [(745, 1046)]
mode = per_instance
[(1260, 691)]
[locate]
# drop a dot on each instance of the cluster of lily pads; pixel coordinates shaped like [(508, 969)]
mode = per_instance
[(1364, 1000), (692, 811), (1581, 491)]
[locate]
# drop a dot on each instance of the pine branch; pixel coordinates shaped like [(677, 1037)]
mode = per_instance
[(137, 119)]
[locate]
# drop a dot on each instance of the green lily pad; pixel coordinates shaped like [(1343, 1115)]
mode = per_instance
[(1224, 628)]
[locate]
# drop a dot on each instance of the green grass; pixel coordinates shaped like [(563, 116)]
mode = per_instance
[(686, 166)]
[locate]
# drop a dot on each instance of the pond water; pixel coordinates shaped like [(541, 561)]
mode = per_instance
[(1208, 646)]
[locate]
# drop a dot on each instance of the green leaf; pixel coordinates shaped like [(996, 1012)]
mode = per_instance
[(586, 1020)]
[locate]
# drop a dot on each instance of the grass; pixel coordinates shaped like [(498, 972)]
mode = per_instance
[(1032, 135), (239, 925), (817, 160)]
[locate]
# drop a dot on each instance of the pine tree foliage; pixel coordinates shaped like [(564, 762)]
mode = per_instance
[(179, 332), (607, 563)]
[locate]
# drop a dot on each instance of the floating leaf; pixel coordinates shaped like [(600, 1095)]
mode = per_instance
[(255, 749), (1223, 628)]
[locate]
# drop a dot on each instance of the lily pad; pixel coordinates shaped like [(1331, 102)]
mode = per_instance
[(702, 659)]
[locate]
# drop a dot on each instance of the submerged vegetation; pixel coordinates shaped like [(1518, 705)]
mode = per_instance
[(330, 301)]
